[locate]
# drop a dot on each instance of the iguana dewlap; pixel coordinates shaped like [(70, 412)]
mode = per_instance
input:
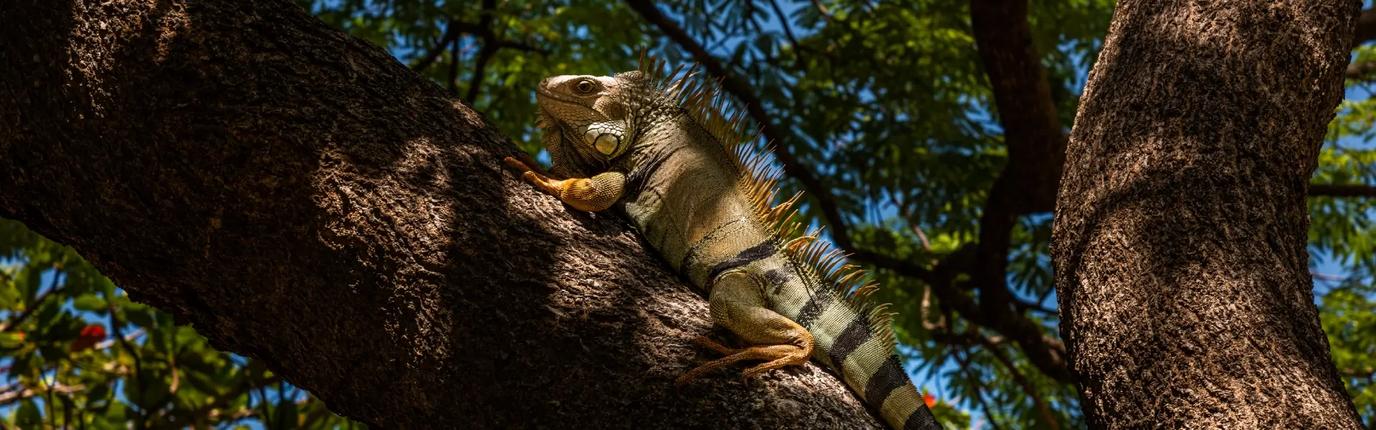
[(658, 148)]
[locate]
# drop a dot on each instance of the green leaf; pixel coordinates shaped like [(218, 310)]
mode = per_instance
[(9, 295), (147, 392), (11, 340), (98, 398), (89, 303), (139, 317), (24, 363), (28, 415)]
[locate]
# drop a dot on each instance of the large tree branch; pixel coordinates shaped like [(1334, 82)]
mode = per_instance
[(1341, 190), (312, 203), (1179, 244), (1366, 28), (1036, 146)]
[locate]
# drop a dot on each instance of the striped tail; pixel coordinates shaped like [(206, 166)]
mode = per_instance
[(849, 342)]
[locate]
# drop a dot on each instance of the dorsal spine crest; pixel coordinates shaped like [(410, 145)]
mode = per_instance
[(704, 102)]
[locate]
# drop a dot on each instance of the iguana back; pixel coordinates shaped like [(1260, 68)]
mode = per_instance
[(658, 146)]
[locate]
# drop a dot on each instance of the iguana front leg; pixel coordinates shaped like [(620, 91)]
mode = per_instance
[(593, 194)]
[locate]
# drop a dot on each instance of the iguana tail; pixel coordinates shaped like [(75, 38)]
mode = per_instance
[(853, 335), (830, 298)]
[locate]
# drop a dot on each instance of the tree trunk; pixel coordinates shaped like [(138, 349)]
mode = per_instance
[(1180, 230), (302, 198)]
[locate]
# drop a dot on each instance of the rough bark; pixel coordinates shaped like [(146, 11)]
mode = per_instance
[(300, 197), (1180, 232)]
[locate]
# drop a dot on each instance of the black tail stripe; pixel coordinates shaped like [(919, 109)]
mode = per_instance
[(921, 419), (814, 308), (749, 255), (851, 338), (888, 377)]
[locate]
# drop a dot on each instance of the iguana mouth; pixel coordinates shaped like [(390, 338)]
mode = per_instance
[(546, 93)]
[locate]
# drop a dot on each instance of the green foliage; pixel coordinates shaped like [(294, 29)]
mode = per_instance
[(552, 37), (1349, 319), (77, 353)]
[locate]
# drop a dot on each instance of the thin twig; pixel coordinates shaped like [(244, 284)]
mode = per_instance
[(1044, 413), (453, 66), (979, 386), (783, 22), (451, 33), (37, 303), (138, 363)]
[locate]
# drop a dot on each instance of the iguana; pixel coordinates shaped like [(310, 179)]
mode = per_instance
[(657, 145)]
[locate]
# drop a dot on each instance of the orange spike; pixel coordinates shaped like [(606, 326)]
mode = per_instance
[(849, 278)]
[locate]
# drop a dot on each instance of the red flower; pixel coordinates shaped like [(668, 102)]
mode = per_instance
[(90, 335), (929, 399)]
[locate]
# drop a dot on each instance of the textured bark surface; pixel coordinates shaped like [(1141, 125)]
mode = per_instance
[(300, 197), (1181, 223)]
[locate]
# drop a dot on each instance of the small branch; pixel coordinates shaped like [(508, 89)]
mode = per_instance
[(454, 29), (1341, 190), (1023, 305), (783, 22), (489, 41), (822, 10), (1044, 413), (21, 393), (453, 80), (263, 402), (214, 407), (1366, 28), (1368, 372), (138, 364), (1360, 70), (28, 311), (451, 34), (1328, 277), (963, 358), (107, 343)]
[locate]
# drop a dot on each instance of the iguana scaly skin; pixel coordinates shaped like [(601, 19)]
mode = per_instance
[(657, 146)]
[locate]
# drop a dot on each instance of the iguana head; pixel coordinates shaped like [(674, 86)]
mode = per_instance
[(590, 121)]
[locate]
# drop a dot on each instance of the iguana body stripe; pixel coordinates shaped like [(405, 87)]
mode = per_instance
[(749, 255), (704, 204)]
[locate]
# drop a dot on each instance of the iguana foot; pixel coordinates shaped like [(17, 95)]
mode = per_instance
[(593, 194), (522, 162), (707, 342), (535, 176), (776, 356)]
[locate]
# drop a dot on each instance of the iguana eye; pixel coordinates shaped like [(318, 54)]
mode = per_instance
[(585, 87)]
